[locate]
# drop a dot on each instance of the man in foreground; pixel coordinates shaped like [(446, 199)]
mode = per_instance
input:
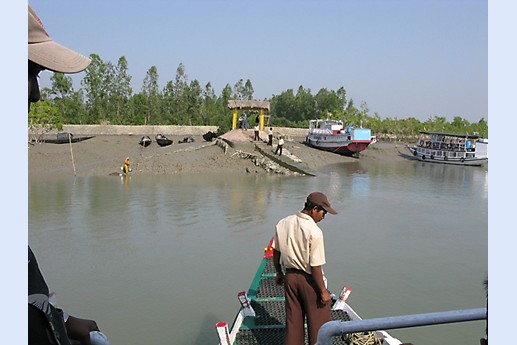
[(299, 250)]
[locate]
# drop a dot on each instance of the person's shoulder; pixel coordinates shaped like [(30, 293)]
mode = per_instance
[(308, 221), (303, 216)]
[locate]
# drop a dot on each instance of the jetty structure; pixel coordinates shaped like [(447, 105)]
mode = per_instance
[(244, 145), (261, 106)]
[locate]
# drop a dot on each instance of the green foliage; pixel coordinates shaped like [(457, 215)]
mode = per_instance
[(243, 90), (107, 97), (43, 117)]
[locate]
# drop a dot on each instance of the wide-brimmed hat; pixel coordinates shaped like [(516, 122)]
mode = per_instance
[(49, 54), (320, 199)]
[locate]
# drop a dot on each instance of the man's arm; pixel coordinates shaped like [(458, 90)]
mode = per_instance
[(317, 275), (278, 267)]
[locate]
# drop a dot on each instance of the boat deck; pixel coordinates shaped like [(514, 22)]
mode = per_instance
[(267, 299)]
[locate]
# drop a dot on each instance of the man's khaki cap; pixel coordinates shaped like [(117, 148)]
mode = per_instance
[(49, 54)]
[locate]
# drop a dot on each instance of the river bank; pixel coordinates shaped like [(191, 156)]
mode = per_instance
[(105, 154)]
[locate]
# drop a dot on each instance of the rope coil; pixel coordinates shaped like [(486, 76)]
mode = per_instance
[(362, 338)]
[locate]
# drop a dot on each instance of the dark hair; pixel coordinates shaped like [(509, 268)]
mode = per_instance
[(319, 208), (309, 206)]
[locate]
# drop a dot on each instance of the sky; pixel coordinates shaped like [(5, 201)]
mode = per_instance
[(404, 58)]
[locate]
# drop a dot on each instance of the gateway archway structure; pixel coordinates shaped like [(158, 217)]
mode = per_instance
[(236, 105)]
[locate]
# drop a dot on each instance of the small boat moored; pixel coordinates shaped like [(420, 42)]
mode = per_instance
[(162, 140), (208, 136), (145, 141), (187, 139), (65, 138), (330, 135), (450, 148)]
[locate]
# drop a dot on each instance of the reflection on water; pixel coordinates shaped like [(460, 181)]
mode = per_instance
[(360, 185), (160, 259)]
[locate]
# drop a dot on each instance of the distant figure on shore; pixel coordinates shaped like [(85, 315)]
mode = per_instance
[(280, 146), (270, 136), (256, 132), (126, 168), (244, 124)]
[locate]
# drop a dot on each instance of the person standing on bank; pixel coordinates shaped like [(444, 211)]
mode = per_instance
[(279, 147), (46, 323), (256, 129), (270, 136), (298, 248), (245, 121)]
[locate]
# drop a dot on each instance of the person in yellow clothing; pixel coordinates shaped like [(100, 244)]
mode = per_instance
[(125, 168)]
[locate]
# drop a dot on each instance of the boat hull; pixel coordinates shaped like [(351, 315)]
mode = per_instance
[(164, 142), (330, 135), (336, 145), (145, 141), (66, 140)]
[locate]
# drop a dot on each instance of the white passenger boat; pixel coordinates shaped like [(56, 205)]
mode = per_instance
[(449, 148), (331, 135)]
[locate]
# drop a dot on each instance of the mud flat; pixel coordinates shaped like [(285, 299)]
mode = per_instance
[(105, 154)]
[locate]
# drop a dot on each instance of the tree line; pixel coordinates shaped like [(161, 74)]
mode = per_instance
[(106, 97)]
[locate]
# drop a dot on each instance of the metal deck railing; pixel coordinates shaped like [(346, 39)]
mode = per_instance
[(337, 328), (267, 327)]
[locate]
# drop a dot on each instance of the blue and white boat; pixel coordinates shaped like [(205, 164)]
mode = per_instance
[(331, 135)]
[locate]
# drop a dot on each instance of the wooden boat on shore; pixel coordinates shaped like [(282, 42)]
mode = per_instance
[(65, 138), (450, 148), (330, 135), (162, 140), (145, 141), (208, 136), (261, 318)]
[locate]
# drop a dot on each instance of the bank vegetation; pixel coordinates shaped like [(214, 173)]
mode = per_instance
[(106, 97)]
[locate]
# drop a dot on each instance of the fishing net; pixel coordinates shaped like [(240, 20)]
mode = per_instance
[(362, 338)]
